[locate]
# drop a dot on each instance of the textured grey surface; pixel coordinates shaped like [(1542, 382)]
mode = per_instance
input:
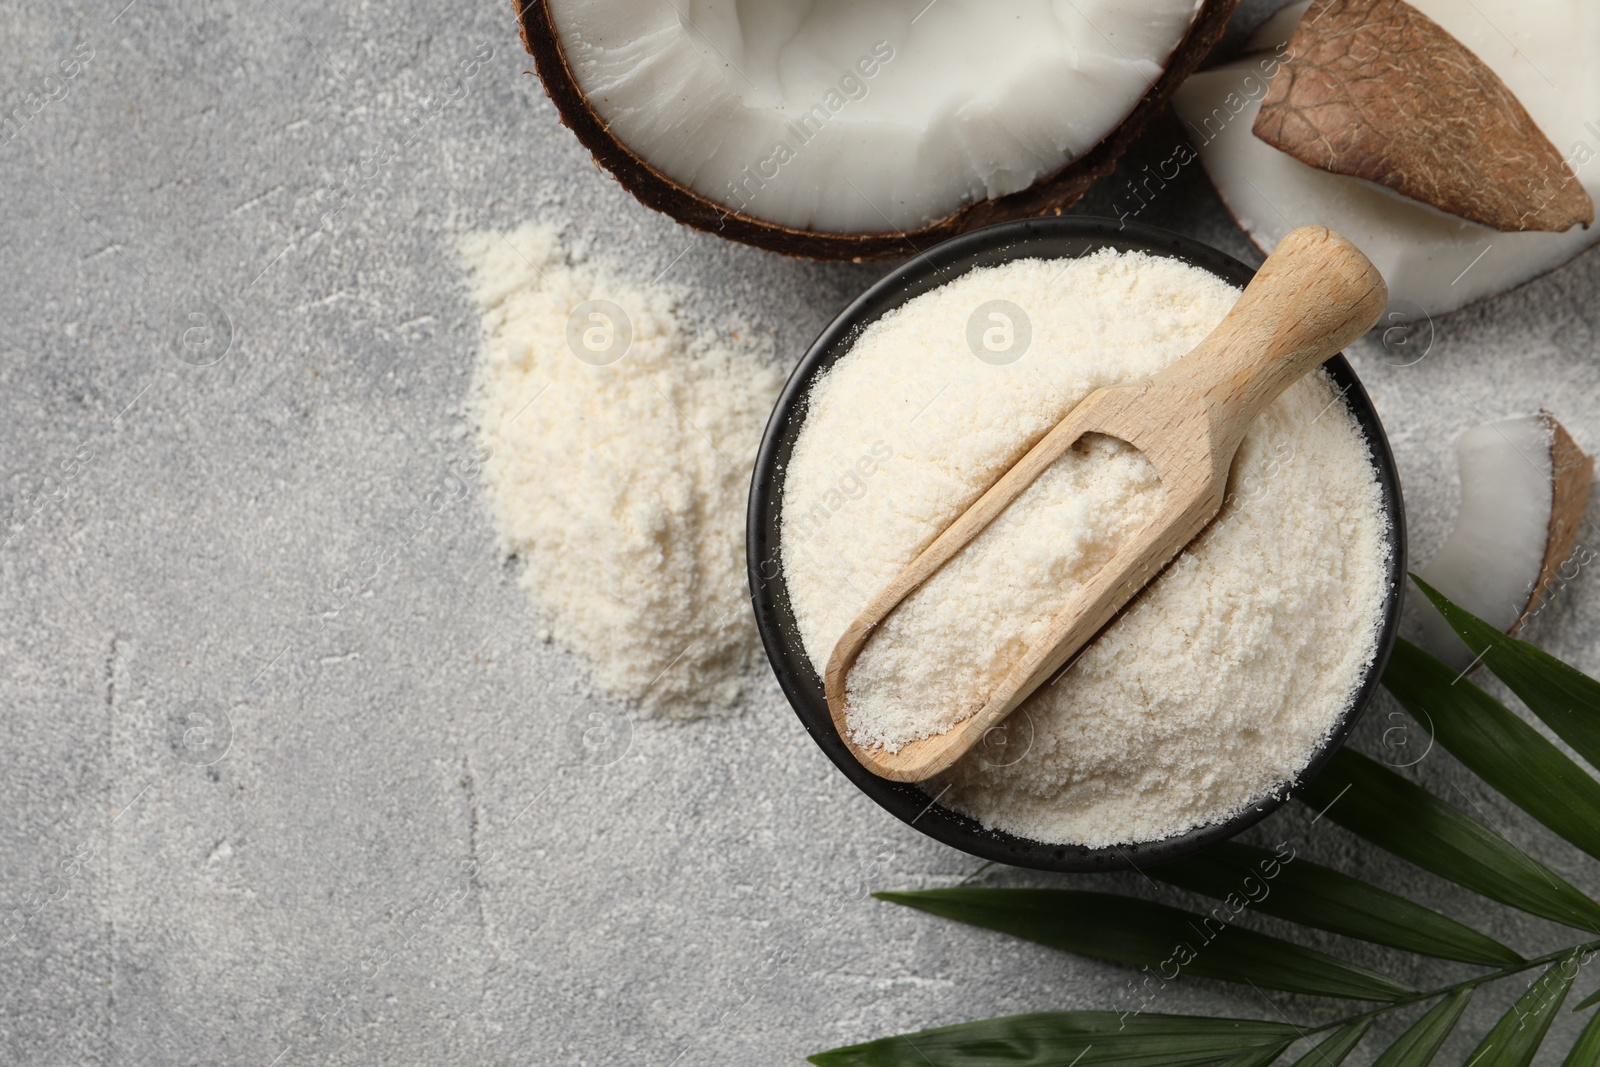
[(388, 850)]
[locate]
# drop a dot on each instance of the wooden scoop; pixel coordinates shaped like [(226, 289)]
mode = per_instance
[(1314, 295)]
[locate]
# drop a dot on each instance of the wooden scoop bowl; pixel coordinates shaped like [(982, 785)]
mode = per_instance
[(1314, 295)]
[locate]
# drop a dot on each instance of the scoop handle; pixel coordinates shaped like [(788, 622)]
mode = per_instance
[(1315, 294)]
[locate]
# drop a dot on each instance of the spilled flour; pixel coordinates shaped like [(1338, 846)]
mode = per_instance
[(621, 438)]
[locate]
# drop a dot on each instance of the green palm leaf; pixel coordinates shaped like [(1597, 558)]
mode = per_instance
[(1373, 802), (1333, 1049), (1565, 698), (1586, 1050), (1320, 897), (1163, 938), (1516, 1037), (1261, 1057), (1418, 1045), (1497, 745), (1064, 1038)]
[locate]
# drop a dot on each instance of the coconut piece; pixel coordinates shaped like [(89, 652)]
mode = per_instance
[(1433, 262), (1524, 490), (861, 130), (1572, 471), (1377, 90)]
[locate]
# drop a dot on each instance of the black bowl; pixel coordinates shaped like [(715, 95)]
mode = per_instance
[(1051, 238)]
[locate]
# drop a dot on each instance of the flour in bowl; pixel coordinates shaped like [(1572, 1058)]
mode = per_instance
[(1214, 688)]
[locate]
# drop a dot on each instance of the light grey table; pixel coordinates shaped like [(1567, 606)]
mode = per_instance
[(236, 346)]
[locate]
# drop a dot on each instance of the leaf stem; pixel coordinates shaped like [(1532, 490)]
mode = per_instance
[(1470, 983)]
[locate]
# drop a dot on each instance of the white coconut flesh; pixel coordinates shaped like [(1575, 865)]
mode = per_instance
[(1491, 561), (1546, 51), (864, 116)]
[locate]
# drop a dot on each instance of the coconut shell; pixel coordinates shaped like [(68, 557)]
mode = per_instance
[(1377, 90), (1572, 473), (1050, 195)]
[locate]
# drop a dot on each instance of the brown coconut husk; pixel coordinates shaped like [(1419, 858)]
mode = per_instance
[(1376, 90)]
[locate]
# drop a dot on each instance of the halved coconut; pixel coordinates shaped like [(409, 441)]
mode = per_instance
[(1547, 52), (860, 129)]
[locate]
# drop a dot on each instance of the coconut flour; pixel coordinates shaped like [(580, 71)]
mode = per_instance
[(620, 445), (1214, 688)]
